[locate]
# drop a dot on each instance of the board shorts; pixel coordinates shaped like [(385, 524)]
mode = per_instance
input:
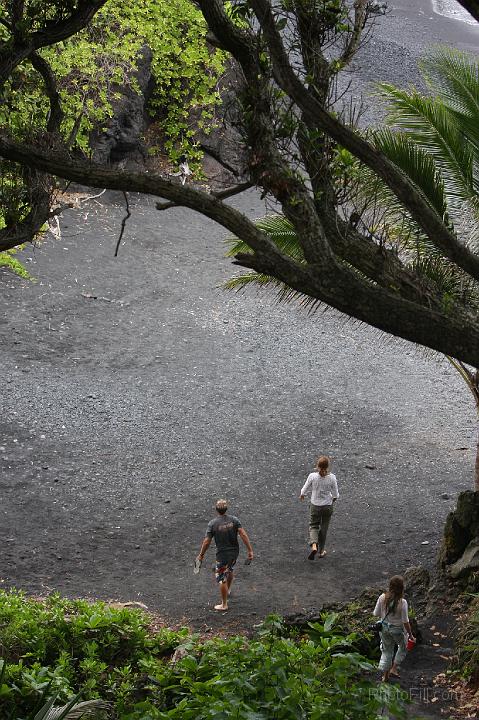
[(224, 569)]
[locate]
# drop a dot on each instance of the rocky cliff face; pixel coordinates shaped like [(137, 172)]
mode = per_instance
[(121, 142), (459, 555)]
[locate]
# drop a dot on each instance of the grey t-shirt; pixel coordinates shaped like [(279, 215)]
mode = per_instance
[(224, 529)]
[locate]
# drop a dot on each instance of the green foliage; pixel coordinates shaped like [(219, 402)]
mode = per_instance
[(436, 144), (8, 260), (65, 646), (53, 649), (92, 66), (468, 644), (273, 676)]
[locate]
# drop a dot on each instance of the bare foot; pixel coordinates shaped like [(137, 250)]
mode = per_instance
[(322, 553), (394, 671), (385, 677), (314, 550), (221, 608)]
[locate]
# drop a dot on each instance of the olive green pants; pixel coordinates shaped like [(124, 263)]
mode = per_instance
[(318, 524)]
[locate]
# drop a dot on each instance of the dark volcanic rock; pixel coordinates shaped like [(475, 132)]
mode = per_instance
[(468, 562), (121, 141), (462, 526), (416, 583)]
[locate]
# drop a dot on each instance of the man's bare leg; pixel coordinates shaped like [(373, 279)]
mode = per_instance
[(229, 583), (224, 596)]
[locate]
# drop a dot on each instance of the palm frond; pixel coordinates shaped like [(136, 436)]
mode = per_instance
[(417, 164), (90, 709), (241, 282), (384, 215), (454, 76), (453, 284), (434, 128), (281, 233)]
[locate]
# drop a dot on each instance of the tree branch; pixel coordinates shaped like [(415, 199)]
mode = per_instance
[(420, 210), (220, 195), (96, 175), (360, 17), (123, 222), (37, 184), (376, 307), (56, 113), (268, 168), (341, 289)]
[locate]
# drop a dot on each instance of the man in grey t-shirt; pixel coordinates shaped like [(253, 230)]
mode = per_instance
[(225, 530)]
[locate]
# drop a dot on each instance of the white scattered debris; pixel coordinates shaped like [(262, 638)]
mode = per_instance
[(184, 172)]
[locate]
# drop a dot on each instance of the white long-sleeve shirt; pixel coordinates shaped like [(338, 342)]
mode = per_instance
[(323, 489), (398, 617)]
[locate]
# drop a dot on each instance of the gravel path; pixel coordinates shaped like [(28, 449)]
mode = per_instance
[(124, 417)]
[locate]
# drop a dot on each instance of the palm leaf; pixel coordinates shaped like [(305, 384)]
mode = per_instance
[(449, 281), (417, 164), (454, 77), (74, 711), (281, 233), (285, 238), (434, 128), (384, 215)]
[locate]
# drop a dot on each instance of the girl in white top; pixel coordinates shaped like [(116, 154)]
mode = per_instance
[(324, 492), (392, 608)]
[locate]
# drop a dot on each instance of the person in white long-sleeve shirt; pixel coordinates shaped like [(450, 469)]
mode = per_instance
[(324, 492)]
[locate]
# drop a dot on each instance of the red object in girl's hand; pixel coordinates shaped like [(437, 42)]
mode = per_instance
[(411, 643)]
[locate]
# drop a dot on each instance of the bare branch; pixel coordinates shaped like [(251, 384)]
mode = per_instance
[(123, 222), (56, 113), (360, 16), (342, 289), (220, 195), (96, 175)]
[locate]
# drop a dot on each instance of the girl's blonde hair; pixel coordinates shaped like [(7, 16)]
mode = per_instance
[(322, 465)]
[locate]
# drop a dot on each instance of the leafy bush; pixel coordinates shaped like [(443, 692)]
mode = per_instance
[(93, 65), (67, 645), (59, 646)]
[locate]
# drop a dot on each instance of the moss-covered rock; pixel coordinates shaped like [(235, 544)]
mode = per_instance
[(467, 645), (462, 526)]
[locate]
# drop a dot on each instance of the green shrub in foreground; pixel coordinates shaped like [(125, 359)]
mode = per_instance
[(61, 646), (69, 645)]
